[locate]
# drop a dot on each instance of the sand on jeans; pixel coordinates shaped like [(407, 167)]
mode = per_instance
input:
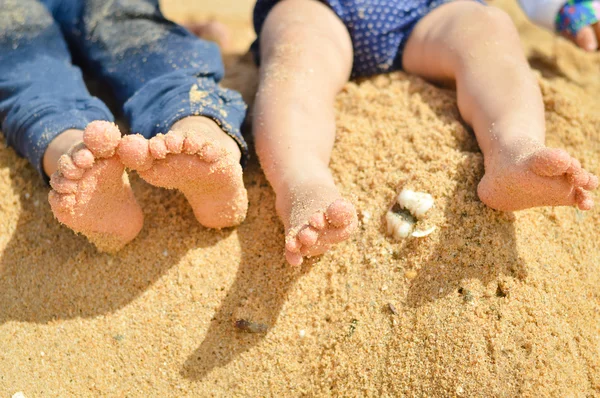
[(490, 304)]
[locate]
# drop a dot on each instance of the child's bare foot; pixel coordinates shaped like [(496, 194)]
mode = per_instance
[(91, 192), (315, 217), (540, 177), (199, 159)]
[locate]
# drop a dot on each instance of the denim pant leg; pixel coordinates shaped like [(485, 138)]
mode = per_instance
[(158, 70), (41, 93)]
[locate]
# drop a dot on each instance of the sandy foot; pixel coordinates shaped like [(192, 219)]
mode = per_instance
[(544, 177), (315, 217), (91, 192), (198, 159)]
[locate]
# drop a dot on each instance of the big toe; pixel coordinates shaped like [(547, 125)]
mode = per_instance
[(550, 162), (102, 138), (340, 213), (134, 152)]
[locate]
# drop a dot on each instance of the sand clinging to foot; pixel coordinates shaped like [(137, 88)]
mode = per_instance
[(491, 304)]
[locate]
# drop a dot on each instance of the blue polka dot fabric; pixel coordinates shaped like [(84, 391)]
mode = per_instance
[(379, 29)]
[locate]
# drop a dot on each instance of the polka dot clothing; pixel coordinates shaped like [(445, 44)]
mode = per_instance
[(379, 29)]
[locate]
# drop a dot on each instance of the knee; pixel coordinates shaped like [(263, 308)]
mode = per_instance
[(486, 21)]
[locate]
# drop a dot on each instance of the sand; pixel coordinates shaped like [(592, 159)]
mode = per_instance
[(491, 304)]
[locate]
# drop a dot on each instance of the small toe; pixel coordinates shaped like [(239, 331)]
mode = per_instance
[(294, 259), (550, 162), (67, 168), (174, 141), (340, 213), (102, 138), (83, 158), (308, 236), (210, 153), (292, 244), (134, 152), (62, 185), (579, 179), (592, 183), (157, 146), (193, 144), (584, 199), (318, 221)]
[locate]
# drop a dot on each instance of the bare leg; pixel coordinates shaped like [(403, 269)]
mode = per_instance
[(479, 47), (306, 58), (90, 189), (199, 159)]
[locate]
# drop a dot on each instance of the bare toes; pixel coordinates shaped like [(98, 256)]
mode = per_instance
[(134, 152), (174, 141), (82, 157), (67, 168), (210, 153), (592, 183), (62, 185), (294, 259), (584, 199), (318, 221), (193, 144), (550, 162), (292, 244), (308, 236), (158, 147), (340, 213), (102, 138)]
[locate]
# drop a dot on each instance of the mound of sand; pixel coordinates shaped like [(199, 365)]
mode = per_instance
[(491, 304)]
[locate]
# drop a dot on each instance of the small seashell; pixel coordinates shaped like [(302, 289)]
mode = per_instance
[(398, 225), (418, 203), (366, 216), (421, 234)]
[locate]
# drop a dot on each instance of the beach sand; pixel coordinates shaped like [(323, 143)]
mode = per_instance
[(491, 304)]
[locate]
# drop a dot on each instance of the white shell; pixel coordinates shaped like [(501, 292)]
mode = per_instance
[(398, 226), (418, 203), (421, 234)]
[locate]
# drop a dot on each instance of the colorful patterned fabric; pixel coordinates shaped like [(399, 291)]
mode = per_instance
[(577, 14)]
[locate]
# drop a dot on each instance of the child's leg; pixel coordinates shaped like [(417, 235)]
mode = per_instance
[(306, 58), (167, 79), (44, 108), (498, 95)]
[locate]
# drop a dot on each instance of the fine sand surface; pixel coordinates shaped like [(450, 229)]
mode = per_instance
[(491, 304)]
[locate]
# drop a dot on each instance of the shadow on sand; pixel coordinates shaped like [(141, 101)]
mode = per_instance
[(48, 273)]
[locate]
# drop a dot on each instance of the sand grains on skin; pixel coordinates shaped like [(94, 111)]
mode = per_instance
[(91, 193), (544, 177), (315, 217), (197, 164)]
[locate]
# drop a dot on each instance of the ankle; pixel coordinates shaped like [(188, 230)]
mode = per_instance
[(59, 146)]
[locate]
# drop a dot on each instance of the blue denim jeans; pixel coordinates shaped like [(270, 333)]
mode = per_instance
[(158, 71)]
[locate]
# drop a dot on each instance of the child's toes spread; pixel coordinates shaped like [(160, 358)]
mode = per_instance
[(545, 177), (91, 192), (197, 163), (315, 220)]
